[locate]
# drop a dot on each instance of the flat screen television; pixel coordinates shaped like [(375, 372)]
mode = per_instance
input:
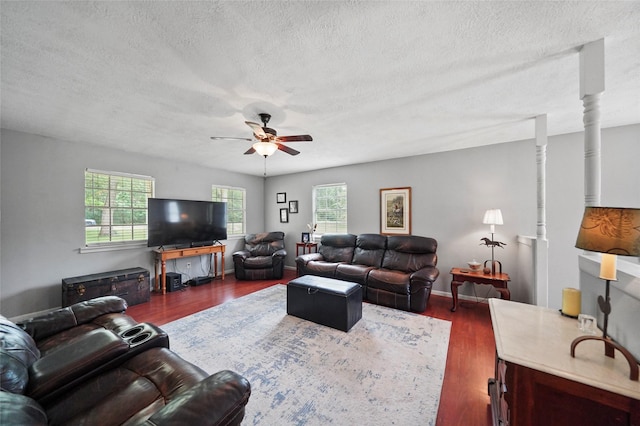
[(186, 223)]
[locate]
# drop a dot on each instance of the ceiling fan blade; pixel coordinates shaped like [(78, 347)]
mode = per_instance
[(286, 149), (215, 138), (250, 151), (298, 138), (257, 129)]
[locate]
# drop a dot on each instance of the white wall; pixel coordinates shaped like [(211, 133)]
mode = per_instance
[(42, 181), (42, 192)]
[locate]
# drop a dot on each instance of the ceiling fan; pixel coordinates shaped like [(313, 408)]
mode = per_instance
[(268, 140)]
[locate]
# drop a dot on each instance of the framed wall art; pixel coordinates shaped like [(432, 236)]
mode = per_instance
[(395, 211), (284, 215), (281, 197), (293, 206)]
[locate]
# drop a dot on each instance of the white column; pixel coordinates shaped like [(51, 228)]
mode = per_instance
[(541, 246), (591, 86)]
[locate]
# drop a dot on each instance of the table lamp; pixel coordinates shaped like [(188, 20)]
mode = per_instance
[(493, 217), (612, 232)]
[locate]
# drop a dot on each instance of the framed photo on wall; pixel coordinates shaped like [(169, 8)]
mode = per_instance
[(395, 211), (281, 197), (284, 215), (293, 206)]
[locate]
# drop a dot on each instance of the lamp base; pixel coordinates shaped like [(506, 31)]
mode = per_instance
[(609, 350), (496, 266)]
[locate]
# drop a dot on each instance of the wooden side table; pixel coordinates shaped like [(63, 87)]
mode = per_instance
[(460, 275), (306, 247)]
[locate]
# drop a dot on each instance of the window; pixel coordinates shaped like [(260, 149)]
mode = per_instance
[(115, 207), (330, 208), (236, 206)]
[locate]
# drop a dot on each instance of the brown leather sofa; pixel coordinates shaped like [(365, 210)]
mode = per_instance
[(262, 258), (394, 271), (90, 363)]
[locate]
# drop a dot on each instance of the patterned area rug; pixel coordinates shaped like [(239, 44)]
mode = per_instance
[(387, 370)]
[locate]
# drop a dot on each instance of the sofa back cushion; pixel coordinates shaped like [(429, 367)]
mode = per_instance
[(410, 253), (264, 243), (370, 249), (337, 248), (17, 352)]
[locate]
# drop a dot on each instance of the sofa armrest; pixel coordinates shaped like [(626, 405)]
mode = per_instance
[(309, 257), (217, 400), (54, 322), (425, 275), (279, 253), (241, 254), (71, 361)]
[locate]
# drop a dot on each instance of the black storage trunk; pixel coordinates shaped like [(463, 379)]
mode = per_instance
[(131, 284), (334, 303)]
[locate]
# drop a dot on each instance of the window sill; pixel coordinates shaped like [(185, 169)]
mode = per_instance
[(114, 247)]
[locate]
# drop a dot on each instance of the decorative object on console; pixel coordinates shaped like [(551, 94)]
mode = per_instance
[(305, 237), (571, 302), (395, 211), (474, 265), (612, 232), (493, 217)]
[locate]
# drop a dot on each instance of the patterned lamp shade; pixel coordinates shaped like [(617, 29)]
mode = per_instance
[(610, 230)]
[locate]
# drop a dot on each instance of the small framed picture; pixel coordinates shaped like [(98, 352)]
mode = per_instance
[(281, 197), (293, 206), (284, 215), (305, 237)]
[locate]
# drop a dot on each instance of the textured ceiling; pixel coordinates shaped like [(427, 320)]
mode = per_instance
[(368, 80)]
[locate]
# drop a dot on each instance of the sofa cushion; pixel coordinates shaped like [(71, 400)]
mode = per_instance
[(265, 243), (17, 352), (369, 249), (409, 253), (20, 410), (337, 247)]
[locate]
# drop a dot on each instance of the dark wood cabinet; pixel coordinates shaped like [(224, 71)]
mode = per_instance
[(537, 382)]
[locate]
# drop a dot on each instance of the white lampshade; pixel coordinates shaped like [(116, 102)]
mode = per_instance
[(493, 217), (265, 148)]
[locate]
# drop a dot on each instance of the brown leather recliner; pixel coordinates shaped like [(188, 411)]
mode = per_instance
[(96, 365), (262, 258)]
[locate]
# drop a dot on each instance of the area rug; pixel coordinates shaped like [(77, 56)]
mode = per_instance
[(387, 370)]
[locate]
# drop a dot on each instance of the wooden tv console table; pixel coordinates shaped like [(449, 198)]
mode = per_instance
[(537, 382), (163, 255)]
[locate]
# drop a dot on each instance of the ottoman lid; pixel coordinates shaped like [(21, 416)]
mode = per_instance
[(325, 285)]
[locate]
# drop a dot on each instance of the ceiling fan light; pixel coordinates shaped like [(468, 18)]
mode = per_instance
[(265, 148)]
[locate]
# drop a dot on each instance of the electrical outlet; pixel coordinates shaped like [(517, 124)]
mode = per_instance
[(188, 265)]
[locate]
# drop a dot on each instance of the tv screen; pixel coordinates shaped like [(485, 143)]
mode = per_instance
[(185, 222)]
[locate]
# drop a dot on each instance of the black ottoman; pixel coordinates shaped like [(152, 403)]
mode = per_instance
[(334, 303)]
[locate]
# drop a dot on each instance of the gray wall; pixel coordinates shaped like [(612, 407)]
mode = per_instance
[(452, 190), (42, 202), (42, 186)]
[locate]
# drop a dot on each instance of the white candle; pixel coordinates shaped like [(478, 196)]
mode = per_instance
[(571, 301), (608, 267)]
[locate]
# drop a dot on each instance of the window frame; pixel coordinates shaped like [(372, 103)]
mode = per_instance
[(111, 206), (341, 226), (244, 208)]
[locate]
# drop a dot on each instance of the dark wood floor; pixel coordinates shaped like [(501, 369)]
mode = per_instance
[(470, 360)]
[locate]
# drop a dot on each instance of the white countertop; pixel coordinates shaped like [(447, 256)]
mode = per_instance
[(540, 339)]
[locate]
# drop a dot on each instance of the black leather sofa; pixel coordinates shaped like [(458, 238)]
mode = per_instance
[(394, 271), (262, 258), (90, 363)]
